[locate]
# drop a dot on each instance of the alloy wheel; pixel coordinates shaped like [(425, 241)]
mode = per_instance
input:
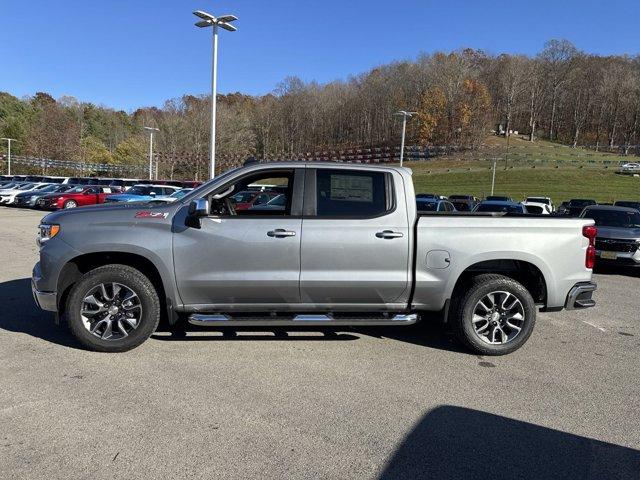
[(498, 317), (111, 311)]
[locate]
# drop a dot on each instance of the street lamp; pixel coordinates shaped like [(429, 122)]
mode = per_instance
[(209, 20), (404, 115), (9, 140), (151, 130)]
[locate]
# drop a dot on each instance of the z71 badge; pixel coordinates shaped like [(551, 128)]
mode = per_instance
[(144, 214)]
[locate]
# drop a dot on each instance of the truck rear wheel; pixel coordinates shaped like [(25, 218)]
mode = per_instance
[(113, 308), (494, 315)]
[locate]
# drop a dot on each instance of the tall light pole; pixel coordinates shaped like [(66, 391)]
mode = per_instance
[(9, 140), (151, 131), (404, 116), (223, 21), (493, 178)]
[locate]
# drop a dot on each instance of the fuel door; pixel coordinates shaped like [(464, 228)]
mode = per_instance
[(438, 259)]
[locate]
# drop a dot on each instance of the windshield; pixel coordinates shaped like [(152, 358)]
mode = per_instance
[(538, 200), (613, 218), (26, 186), (76, 190), (498, 198), (180, 193), (628, 204), (499, 207), (581, 203), (138, 190), (48, 188)]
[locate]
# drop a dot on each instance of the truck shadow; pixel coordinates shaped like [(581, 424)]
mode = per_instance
[(458, 443), (425, 334), (20, 314)]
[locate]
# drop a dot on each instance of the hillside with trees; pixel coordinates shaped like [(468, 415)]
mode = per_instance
[(561, 94)]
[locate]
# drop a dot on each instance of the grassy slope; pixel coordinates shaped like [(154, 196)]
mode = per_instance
[(541, 168)]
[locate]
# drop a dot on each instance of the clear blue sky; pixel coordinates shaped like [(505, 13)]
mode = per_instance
[(131, 53)]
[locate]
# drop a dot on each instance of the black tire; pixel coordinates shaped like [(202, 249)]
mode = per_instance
[(120, 274), (469, 296), (70, 204)]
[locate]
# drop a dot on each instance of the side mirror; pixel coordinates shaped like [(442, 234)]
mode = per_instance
[(199, 207), (153, 194)]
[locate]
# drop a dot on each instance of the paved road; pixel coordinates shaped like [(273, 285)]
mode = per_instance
[(375, 403)]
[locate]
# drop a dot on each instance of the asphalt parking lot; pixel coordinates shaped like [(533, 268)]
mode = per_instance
[(371, 403)]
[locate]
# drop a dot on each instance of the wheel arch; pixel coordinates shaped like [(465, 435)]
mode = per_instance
[(77, 266), (535, 277)]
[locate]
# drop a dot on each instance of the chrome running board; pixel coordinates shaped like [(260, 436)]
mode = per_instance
[(221, 320)]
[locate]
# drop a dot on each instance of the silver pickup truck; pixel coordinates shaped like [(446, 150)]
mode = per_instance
[(337, 245)]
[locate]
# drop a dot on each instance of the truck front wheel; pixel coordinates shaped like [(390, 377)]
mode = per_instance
[(494, 314), (113, 308)]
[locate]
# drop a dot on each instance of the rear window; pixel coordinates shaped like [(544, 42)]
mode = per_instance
[(347, 193)]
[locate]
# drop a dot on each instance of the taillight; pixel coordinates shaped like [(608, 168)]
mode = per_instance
[(590, 232)]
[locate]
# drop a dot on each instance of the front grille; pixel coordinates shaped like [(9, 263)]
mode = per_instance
[(615, 245)]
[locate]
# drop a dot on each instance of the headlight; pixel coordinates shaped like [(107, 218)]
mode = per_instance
[(47, 231)]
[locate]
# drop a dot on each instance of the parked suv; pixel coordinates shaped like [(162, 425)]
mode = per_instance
[(618, 235)]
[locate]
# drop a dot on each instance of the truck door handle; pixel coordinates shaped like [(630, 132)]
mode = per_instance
[(281, 232), (389, 234)]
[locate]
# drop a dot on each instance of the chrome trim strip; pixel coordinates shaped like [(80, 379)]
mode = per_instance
[(220, 320)]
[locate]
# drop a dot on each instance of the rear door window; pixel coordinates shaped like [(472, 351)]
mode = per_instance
[(350, 193)]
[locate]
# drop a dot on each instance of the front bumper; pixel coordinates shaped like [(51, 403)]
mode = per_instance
[(45, 300), (579, 296)]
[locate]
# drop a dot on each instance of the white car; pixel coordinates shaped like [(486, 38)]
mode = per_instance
[(537, 208), (539, 205), (630, 167), (8, 196)]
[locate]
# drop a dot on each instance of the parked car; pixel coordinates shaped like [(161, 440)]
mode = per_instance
[(463, 203), (143, 193), (251, 198), (76, 197), (498, 198), (431, 195), (618, 236), (628, 204), (538, 205), (434, 205), (28, 199), (13, 185), (576, 205), (276, 204), (8, 196), (177, 195), (361, 255), (631, 167), (497, 206), (544, 200)]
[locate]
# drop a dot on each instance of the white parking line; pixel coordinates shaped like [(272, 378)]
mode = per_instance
[(594, 326)]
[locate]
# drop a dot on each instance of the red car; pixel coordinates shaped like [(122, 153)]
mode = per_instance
[(77, 197), (249, 198)]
